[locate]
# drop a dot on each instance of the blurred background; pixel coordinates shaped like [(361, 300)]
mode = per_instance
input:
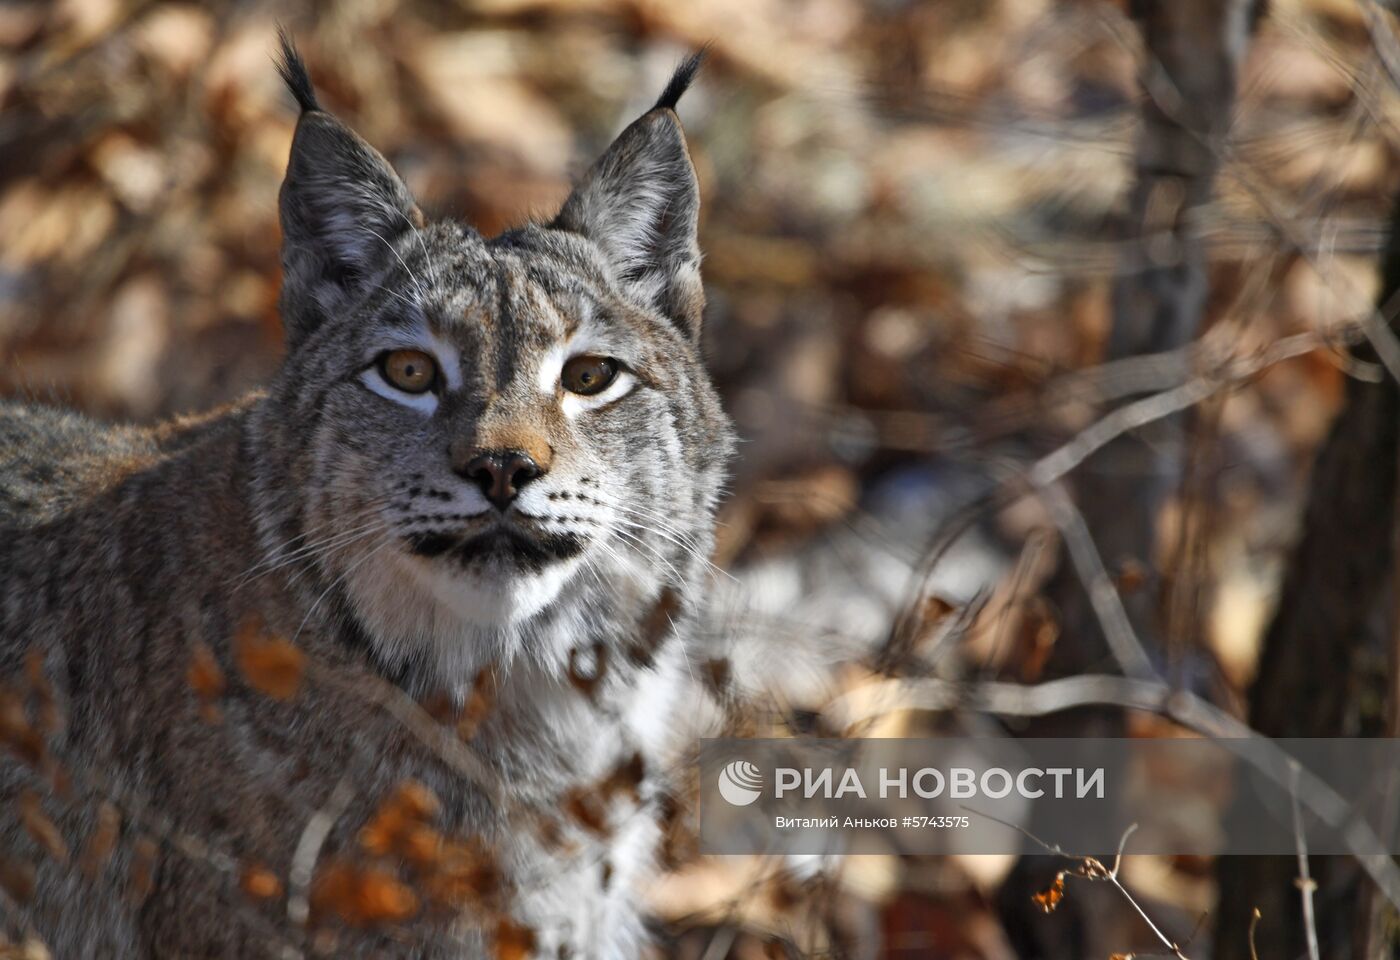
[(943, 238)]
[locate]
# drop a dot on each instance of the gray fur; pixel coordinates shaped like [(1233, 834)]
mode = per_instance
[(328, 508)]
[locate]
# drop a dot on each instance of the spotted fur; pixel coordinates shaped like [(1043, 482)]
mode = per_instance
[(332, 509)]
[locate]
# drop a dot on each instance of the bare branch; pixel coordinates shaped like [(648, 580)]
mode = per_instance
[(1181, 707), (1092, 869), (1306, 884), (1108, 605), (1054, 466), (308, 851)]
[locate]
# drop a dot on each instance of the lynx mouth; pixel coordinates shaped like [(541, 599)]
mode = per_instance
[(502, 545)]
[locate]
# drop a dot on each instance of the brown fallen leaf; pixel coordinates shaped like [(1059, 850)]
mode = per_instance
[(1132, 575), (480, 702), (270, 664), (399, 823), (514, 942), (207, 679), (463, 874), (259, 882), (102, 841), (204, 674), (362, 895), (1049, 898), (17, 879), (16, 732), (142, 879), (50, 718), (40, 827)]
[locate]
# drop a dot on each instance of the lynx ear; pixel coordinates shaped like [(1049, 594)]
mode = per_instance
[(640, 203), (342, 207)]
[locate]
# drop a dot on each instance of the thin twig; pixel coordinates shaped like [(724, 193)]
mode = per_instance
[(1383, 39), (1122, 843), (308, 850), (1306, 884), (1092, 869), (1181, 707), (1103, 595), (1055, 465), (439, 738)]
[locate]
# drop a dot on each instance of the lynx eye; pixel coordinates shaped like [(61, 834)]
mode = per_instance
[(411, 371), (589, 374)]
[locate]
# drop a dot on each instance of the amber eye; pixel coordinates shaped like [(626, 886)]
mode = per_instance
[(588, 374), (411, 371)]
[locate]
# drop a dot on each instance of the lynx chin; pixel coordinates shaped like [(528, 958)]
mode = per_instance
[(465, 530)]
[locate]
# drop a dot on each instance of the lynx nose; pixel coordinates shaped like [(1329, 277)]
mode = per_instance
[(501, 473)]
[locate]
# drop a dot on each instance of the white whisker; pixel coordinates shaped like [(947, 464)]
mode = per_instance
[(679, 581), (330, 541), (337, 580), (422, 245), (392, 249)]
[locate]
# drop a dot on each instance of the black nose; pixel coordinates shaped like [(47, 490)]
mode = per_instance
[(501, 473)]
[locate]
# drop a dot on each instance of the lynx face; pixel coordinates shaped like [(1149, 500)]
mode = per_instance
[(473, 428)]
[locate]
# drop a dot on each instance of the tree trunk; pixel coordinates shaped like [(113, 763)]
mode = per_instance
[(1194, 49), (1307, 666), (1193, 53)]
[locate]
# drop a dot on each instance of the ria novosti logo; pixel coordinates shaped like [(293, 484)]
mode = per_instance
[(740, 783)]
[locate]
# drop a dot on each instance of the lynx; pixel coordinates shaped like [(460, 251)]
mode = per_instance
[(379, 660)]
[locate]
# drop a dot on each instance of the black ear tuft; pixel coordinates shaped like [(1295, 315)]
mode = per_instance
[(293, 71), (640, 203), (682, 79), (342, 209)]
